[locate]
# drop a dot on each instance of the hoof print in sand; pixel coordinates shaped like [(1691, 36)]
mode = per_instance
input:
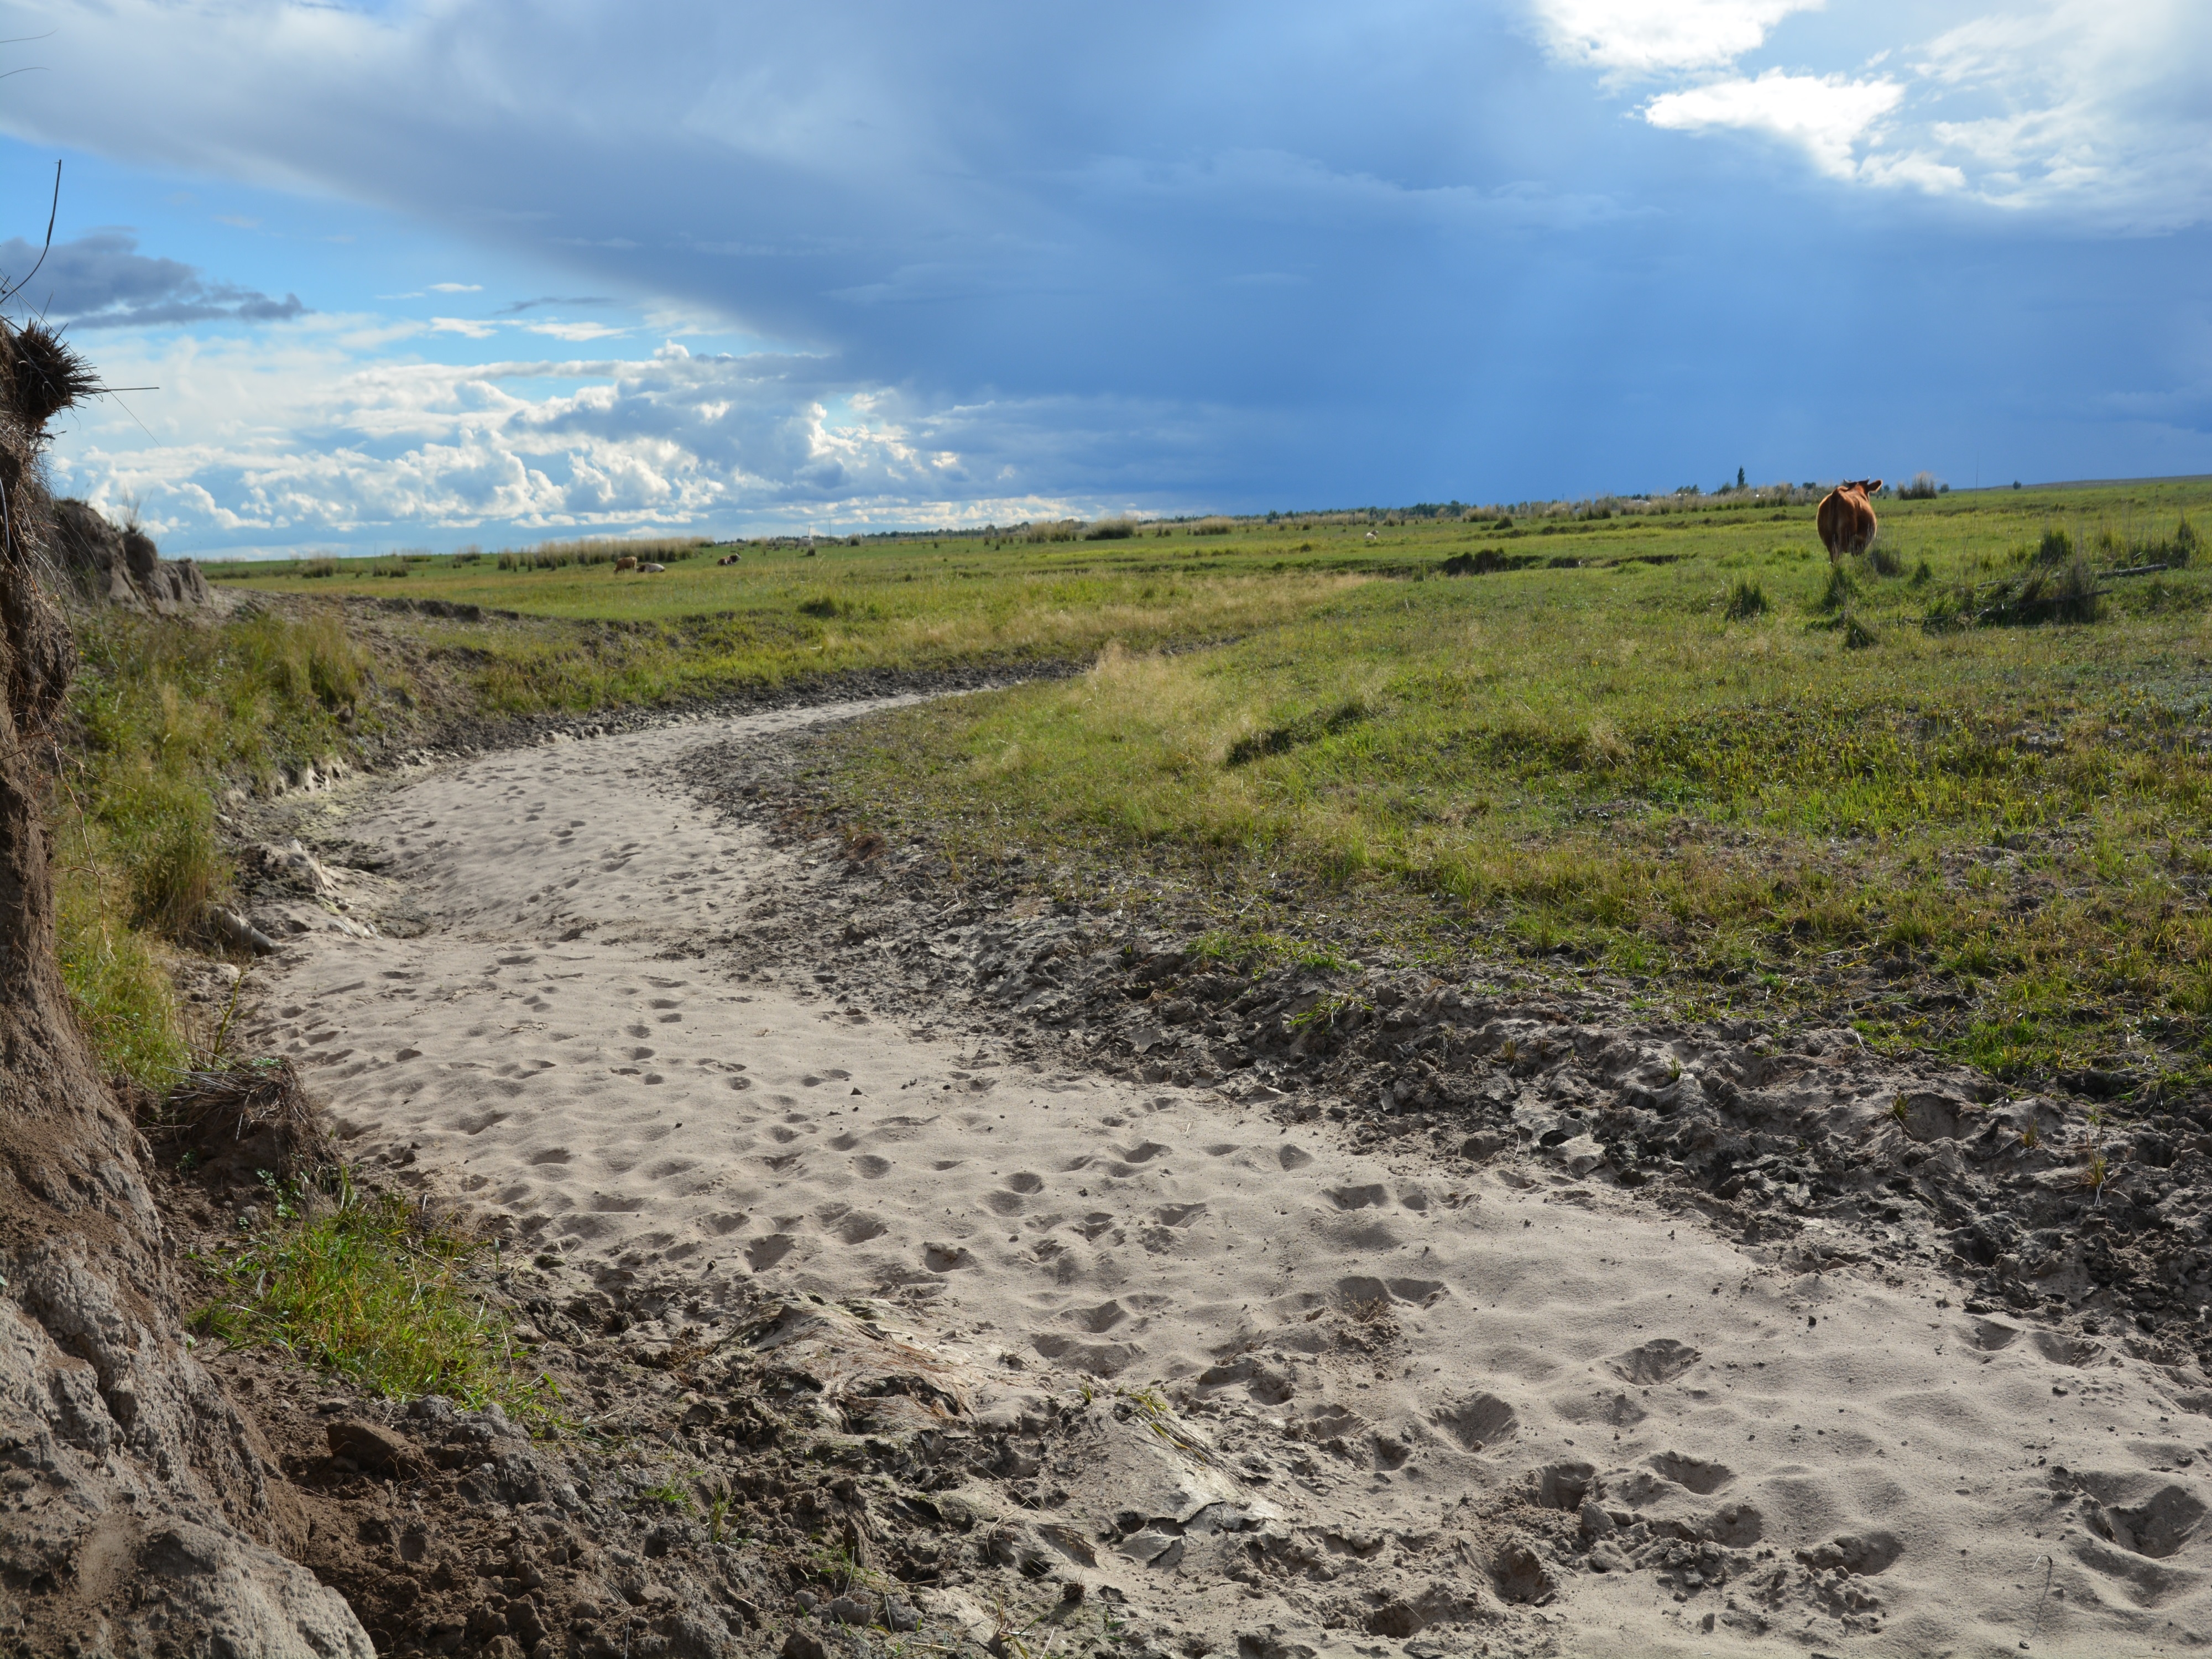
[(1267, 1385), (1614, 1409), (1695, 1474), (1740, 1526), (857, 1229), (764, 1252), (1650, 1363), (1479, 1421), (1374, 1196), (1929, 1116), (2063, 1350), (946, 1258), (1521, 1576), (2154, 1523), (1865, 1554), (1271, 1644), (1563, 1485)]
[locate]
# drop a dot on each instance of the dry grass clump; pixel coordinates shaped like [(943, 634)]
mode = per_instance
[(248, 1116)]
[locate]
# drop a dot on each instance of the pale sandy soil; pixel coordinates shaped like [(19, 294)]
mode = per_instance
[(1385, 1366)]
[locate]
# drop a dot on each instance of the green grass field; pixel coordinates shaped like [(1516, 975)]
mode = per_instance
[(1684, 761), (1955, 793), (701, 628)]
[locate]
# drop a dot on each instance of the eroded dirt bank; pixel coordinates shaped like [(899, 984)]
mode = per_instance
[(937, 1255)]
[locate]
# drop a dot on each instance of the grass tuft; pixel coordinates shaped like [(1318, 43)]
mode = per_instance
[(373, 1291), (162, 712), (1836, 592), (1747, 598), (2064, 594), (117, 985)]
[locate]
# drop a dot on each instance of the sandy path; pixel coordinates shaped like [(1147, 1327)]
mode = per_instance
[(1370, 1343)]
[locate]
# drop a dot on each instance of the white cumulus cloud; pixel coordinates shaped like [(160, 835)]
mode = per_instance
[(1645, 37), (1827, 115), (2090, 108), (293, 440)]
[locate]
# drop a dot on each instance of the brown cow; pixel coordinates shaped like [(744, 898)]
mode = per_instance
[(628, 562), (1846, 518)]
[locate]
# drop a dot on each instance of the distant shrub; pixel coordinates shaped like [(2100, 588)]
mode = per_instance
[(1923, 488), (1746, 598), (2183, 548), (1111, 530), (322, 565), (2056, 546), (1215, 527), (468, 556)]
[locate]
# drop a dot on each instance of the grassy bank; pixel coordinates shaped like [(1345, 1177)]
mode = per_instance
[(1691, 759), (162, 718)]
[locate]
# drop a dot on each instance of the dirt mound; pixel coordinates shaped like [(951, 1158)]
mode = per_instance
[(120, 565), (238, 1121)]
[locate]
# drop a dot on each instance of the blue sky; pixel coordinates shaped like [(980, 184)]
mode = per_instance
[(436, 274)]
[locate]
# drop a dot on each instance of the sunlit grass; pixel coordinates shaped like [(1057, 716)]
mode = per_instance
[(1630, 767), (372, 1291), (161, 713)]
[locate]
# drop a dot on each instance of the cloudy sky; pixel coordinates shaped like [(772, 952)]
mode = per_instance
[(441, 272)]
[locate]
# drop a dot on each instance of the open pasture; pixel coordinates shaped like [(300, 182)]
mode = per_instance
[(1682, 753)]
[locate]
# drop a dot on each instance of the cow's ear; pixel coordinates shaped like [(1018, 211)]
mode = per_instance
[(1874, 486)]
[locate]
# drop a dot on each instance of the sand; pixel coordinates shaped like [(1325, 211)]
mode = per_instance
[(1365, 1353)]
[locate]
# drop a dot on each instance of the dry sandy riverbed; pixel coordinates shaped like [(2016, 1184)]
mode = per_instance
[(1330, 1400)]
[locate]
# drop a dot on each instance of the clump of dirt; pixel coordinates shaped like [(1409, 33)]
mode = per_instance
[(235, 1121)]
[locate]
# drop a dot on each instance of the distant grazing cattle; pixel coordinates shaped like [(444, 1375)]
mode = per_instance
[(625, 563), (1846, 518), (649, 568), (728, 558)]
